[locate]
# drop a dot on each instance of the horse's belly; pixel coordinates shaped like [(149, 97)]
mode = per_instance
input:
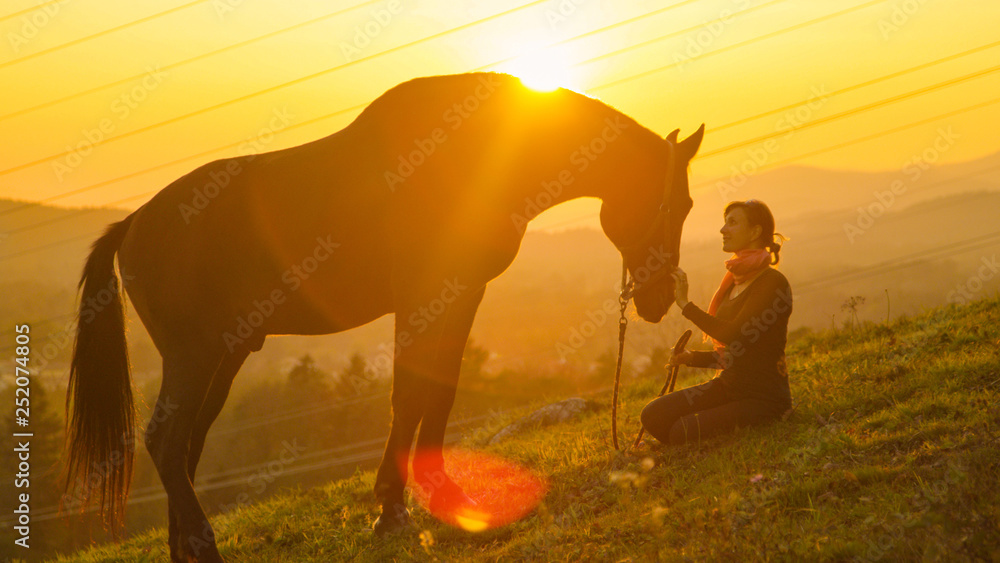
[(326, 304)]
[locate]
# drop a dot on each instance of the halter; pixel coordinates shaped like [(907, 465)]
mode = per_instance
[(630, 286)]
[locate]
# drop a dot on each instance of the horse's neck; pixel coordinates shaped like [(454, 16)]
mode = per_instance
[(615, 175)]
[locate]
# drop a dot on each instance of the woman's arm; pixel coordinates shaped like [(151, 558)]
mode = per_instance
[(767, 292), (701, 359)]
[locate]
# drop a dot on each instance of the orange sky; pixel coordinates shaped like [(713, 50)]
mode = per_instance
[(70, 77)]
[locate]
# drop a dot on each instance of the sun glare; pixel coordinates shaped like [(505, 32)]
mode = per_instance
[(543, 69)]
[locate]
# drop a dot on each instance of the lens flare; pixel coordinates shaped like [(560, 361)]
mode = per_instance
[(502, 490)]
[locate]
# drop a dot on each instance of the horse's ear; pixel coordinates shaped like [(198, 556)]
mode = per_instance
[(672, 137), (689, 147)]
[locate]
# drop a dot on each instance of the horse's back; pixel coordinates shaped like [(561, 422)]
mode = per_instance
[(278, 232), (420, 184)]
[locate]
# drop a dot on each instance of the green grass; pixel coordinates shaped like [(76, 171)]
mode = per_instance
[(891, 453)]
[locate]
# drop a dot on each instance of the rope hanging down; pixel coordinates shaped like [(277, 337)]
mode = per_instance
[(623, 299)]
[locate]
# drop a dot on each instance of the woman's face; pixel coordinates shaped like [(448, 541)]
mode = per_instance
[(737, 233)]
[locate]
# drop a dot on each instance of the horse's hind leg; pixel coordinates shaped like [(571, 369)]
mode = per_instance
[(187, 379), (222, 381)]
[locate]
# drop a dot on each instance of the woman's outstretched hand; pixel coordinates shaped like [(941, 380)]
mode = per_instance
[(682, 359), (680, 287)]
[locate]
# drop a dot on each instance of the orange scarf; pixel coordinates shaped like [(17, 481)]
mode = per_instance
[(744, 265)]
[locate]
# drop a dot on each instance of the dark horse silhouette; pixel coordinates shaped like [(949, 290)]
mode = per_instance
[(411, 209)]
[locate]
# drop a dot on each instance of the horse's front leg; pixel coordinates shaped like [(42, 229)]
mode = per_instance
[(429, 356)]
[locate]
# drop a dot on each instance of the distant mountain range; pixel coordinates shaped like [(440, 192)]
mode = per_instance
[(904, 241)]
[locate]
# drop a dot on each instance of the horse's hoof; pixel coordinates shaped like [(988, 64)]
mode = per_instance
[(390, 523), (451, 500)]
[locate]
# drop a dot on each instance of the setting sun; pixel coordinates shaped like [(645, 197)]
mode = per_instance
[(543, 69)]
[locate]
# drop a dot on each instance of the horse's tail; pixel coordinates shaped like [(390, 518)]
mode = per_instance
[(100, 427)]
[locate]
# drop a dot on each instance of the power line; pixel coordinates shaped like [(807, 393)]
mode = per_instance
[(906, 261), (799, 157), (327, 16), (923, 187), (669, 35), (171, 163), (296, 413), (31, 9), (852, 111), (361, 106), (52, 512), (338, 112), (364, 105), (865, 138), (189, 60), (90, 235), (100, 33), (809, 242), (898, 263), (204, 483), (410, 44), (278, 86), (66, 216), (871, 82), (314, 120), (737, 45), (617, 52)]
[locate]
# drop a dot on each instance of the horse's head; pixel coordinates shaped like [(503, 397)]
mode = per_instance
[(647, 226)]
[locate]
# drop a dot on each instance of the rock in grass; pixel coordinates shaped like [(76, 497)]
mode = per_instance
[(546, 416)]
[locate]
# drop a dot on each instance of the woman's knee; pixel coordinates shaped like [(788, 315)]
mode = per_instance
[(649, 416), (656, 418)]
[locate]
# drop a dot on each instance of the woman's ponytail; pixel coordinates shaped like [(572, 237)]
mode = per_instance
[(774, 247)]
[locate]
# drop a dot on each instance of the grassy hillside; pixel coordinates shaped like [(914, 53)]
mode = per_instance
[(891, 453)]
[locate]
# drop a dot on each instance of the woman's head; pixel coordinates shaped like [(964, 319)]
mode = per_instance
[(750, 224)]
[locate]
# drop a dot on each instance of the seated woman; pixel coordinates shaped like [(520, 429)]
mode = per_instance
[(748, 321)]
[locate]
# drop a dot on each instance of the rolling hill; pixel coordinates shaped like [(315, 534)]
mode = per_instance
[(890, 454)]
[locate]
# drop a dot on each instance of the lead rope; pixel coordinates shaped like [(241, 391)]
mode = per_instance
[(623, 299)]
